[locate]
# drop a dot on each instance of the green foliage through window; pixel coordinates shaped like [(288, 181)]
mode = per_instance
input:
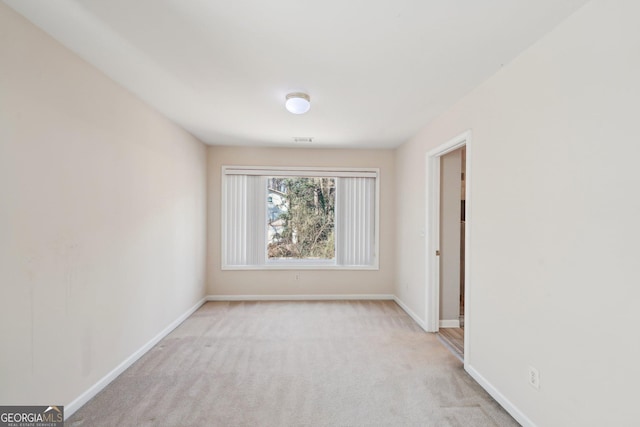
[(301, 219)]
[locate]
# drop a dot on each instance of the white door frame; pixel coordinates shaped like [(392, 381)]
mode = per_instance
[(432, 291)]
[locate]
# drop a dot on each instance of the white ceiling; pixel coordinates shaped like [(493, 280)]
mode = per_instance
[(376, 70)]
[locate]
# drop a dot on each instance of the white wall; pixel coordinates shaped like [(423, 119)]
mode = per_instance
[(553, 280), (309, 282), (102, 220)]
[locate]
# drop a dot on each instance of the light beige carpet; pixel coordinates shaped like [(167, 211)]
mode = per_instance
[(336, 363)]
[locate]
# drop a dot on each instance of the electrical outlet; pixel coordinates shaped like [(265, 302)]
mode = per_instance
[(534, 377), (297, 276)]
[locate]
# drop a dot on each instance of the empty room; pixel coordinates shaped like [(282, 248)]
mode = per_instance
[(336, 213)]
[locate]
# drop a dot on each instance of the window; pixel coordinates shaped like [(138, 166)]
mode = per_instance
[(299, 218)]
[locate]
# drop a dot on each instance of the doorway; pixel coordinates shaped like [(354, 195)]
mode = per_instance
[(451, 258), (448, 196)]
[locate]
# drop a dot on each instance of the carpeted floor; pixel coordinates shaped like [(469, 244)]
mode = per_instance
[(320, 363)]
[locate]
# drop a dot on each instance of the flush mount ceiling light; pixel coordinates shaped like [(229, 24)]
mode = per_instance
[(298, 103)]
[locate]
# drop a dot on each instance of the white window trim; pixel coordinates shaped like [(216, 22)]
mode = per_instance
[(300, 171)]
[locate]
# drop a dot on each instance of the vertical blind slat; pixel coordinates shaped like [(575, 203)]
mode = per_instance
[(356, 213), (244, 217)]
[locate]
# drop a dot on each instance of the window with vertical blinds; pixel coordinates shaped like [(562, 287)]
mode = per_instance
[(282, 218)]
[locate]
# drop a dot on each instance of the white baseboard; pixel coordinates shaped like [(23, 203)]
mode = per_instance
[(299, 297), (499, 397), (453, 323), (411, 314), (77, 403)]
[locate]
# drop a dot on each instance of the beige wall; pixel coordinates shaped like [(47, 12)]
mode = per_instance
[(553, 280), (102, 220), (310, 282), (450, 197)]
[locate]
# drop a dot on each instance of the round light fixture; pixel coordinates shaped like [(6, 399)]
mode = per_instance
[(298, 103)]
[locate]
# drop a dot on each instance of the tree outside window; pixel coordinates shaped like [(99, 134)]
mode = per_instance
[(301, 218)]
